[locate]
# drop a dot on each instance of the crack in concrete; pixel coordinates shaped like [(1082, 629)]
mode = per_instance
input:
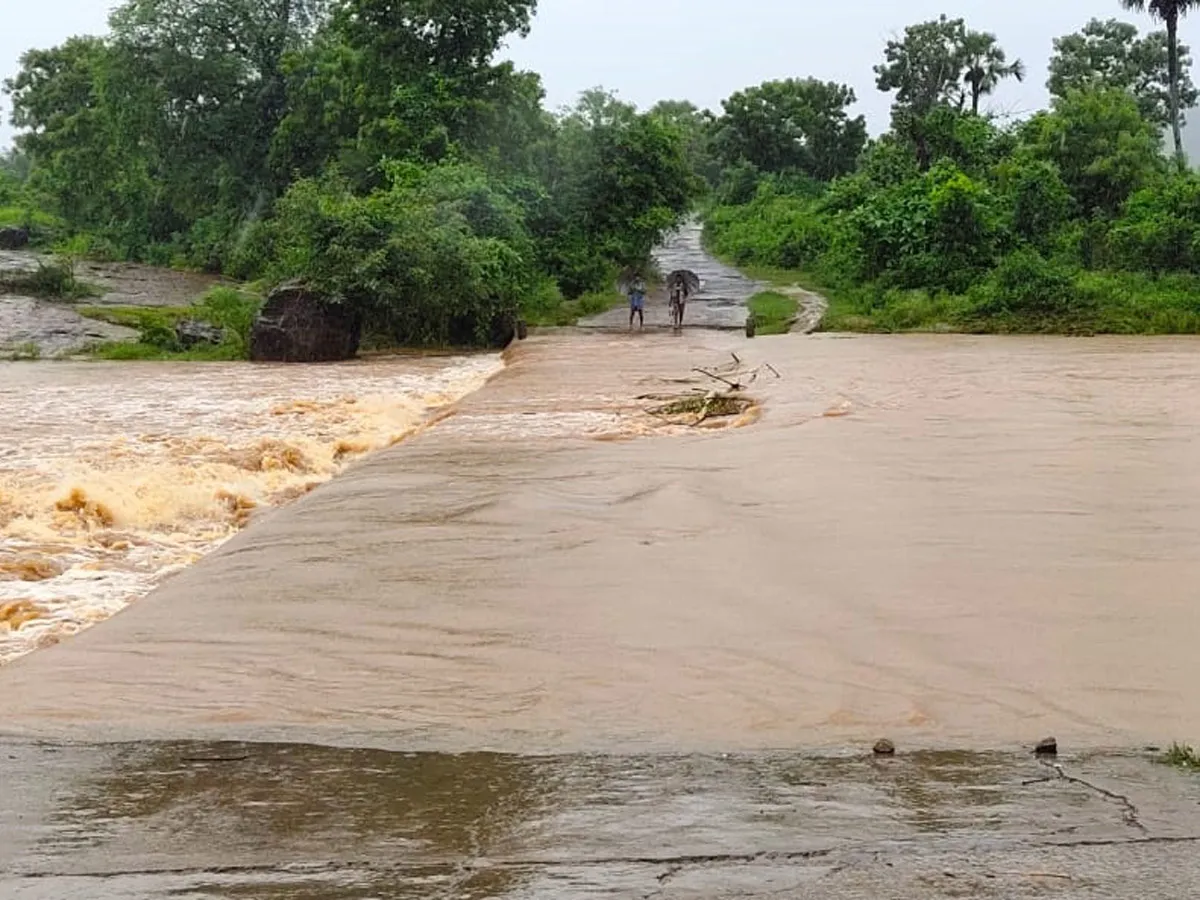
[(1131, 814), (673, 865)]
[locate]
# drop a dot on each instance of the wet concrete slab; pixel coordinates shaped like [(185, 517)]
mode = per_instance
[(277, 821)]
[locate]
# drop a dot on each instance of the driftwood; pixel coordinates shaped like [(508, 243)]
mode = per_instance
[(709, 403)]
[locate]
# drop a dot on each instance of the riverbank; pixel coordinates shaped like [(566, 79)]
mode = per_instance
[(115, 303)]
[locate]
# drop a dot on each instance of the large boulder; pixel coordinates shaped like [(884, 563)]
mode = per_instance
[(297, 325), (14, 238)]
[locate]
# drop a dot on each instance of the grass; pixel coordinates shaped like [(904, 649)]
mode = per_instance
[(16, 216), (548, 308), (1183, 757), (773, 312), (231, 309), (127, 351), (26, 352)]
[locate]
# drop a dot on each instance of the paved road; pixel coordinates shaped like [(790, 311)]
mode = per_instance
[(132, 822), (721, 303)]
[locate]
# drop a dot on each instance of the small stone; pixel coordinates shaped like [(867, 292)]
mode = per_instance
[(1047, 747), (884, 747)]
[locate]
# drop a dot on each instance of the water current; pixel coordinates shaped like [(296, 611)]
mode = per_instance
[(115, 476)]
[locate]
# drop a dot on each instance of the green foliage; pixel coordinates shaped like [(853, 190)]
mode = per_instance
[(773, 312), (1102, 146), (1160, 230), (1111, 55), (1039, 203), (50, 280), (434, 259), (377, 149), (1183, 757), (951, 223), (229, 308), (797, 125), (1027, 286)]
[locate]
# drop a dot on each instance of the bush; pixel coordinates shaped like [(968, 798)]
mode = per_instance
[(232, 309), (1026, 285), (407, 259), (1160, 230)]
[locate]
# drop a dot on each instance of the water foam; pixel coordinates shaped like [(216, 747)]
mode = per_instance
[(117, 477)]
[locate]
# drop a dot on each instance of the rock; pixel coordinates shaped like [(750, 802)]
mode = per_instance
[(1047, 747), (297, 325), (884, 747), (14, 238), (751, 325), (191, 333)]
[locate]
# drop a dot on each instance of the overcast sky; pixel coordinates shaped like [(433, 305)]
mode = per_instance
[(701, 50)]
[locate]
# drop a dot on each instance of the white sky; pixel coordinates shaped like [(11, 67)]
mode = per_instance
[(701, 50)]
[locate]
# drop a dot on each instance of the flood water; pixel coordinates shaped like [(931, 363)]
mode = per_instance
[(115, 476), (550, 641), (963, 542)]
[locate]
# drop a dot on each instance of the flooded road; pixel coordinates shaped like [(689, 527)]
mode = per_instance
[(562, 645), (957, 542)]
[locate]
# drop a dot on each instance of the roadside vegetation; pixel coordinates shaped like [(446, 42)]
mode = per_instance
[(1076, 220), (1183, 757), (376, 150), (379, 152), (773, 312)]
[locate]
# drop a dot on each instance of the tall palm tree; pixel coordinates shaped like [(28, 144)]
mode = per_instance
[(986, 65), (1170, 12)]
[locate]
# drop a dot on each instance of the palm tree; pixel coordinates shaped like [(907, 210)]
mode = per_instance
[(986, 65), (1170, 12)]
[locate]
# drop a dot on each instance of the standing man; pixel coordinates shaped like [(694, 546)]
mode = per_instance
[(637, 302)]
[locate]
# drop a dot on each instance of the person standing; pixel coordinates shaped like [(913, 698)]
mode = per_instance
[(637, 302)]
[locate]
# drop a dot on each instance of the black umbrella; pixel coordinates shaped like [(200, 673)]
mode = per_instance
[(686, 277)]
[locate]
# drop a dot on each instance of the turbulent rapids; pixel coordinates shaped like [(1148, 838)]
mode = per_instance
[(112, 478)]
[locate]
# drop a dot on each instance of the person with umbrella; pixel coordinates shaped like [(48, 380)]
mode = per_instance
[(681, 284)]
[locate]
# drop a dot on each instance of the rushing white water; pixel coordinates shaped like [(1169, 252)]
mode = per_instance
[(115, 476)]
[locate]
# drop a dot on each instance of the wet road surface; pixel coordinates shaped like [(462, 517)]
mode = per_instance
[(720, 304), (134, 822)]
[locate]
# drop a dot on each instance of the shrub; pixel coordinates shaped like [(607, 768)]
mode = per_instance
[(1026, 285), (1160, 230)]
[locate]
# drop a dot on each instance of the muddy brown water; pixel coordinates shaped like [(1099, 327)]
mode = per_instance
[(679, 642), (965, 542)]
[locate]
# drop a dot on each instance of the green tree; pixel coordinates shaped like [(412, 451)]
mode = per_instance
[(798, 125), (1170, 12), (1102, 147), (699, 128), (986, 65), (410, 79), (925, 67), (614, 184), (1111, 54)]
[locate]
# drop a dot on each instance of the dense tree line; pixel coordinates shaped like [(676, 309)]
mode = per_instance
[(1075, 218), (379, 151), (375, 148)]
